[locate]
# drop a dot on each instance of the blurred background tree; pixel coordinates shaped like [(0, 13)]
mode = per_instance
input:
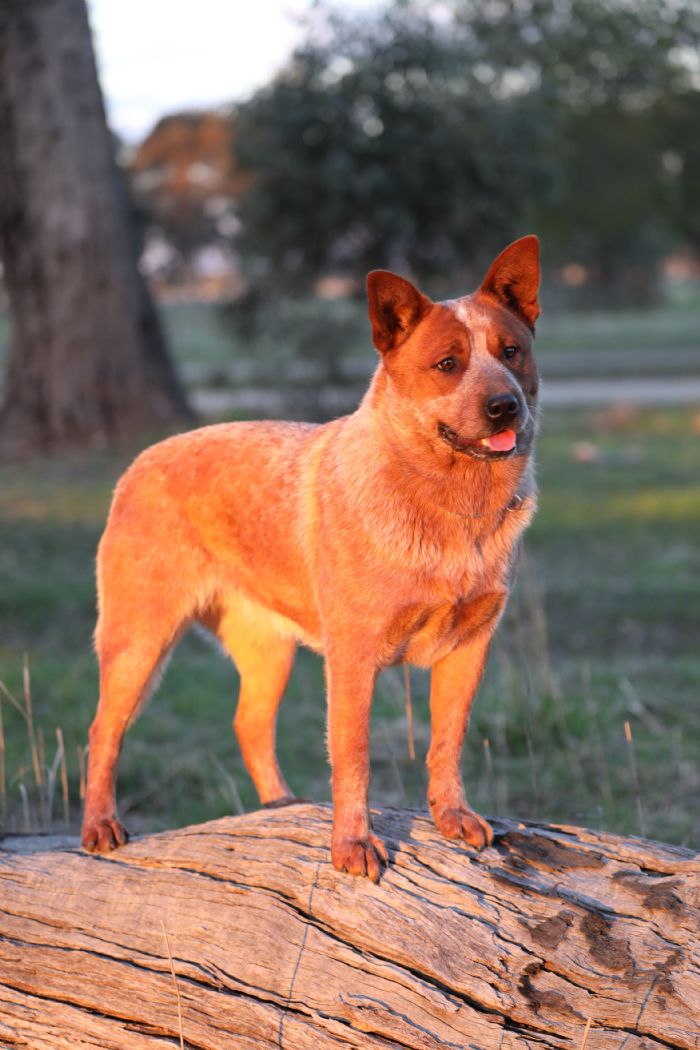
[(87, 358), (184, 185), (379, 146), (423, 135), (601, 75)]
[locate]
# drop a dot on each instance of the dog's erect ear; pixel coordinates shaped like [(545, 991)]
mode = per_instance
[(395, 308), (514, 279)]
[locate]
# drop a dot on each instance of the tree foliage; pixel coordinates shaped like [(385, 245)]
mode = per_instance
[(183, 181), (423, 135), (377, 147)]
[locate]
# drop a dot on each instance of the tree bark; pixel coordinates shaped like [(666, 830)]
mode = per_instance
[(87, 360), (551, 931)]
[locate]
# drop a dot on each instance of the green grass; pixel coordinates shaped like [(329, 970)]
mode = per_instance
[(602, 630)]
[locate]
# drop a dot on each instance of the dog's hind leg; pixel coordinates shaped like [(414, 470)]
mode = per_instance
[(264, 659), (129, 670), (146, 601)]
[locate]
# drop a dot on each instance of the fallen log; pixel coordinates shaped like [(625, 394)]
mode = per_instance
[(239, 933)]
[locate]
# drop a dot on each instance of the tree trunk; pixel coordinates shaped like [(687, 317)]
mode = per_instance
[(87, 360), (554, 937)]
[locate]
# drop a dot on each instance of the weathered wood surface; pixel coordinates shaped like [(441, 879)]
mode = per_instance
[(516, 947)]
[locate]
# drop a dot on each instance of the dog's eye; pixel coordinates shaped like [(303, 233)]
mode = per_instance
[(509, 352), (447, 364)]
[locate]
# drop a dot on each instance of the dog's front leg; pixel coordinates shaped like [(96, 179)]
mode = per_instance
[(454, 682), (351, 677)]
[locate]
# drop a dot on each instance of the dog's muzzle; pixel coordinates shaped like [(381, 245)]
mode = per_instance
[(499, 444)]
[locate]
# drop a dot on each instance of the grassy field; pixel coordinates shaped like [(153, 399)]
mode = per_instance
[(588, 713)]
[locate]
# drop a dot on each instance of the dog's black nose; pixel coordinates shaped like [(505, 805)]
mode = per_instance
[(502, 407)]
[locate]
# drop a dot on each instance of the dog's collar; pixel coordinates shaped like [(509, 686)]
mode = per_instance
[(515, 503)]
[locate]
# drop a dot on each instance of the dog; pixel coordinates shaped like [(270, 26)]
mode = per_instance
[(388, 536)]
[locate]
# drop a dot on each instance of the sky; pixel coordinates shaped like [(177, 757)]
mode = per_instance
[(159, 56)]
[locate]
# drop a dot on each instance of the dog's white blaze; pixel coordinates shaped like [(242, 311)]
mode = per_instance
[(476, 321)]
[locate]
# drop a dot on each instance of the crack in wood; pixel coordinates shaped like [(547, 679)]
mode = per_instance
[(297, 964), (90, 1010), (409, 1021)]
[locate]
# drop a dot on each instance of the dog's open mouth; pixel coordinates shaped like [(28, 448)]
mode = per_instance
[(493, 446)]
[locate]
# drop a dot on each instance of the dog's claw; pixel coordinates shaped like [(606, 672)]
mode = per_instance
[(360, 857), (463, 823), (101, 836)]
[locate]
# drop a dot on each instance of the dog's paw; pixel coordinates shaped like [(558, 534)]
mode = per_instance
[(101, 836), (463, 823), (360, 856)]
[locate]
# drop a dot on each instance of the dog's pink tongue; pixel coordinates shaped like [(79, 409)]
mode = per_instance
[(503, 441)]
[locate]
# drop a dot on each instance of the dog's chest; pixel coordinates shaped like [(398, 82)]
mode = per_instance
[(423, 634), (467, 593)]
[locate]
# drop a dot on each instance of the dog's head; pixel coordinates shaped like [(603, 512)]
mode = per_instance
[(463, 371)]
